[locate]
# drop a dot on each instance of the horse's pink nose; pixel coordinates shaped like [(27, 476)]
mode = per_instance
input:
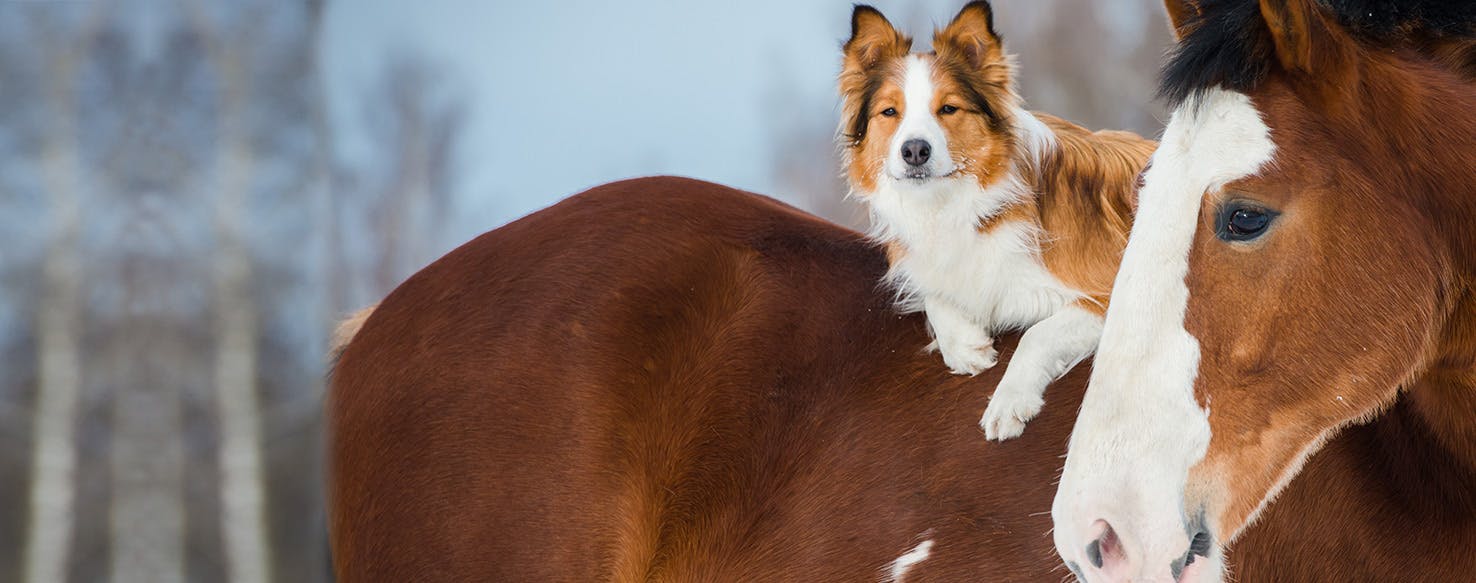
[(1111, 562)]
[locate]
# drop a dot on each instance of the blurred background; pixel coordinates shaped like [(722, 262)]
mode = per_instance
[(193, 191)]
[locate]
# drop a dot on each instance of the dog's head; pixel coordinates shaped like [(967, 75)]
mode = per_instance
[(911, 119)]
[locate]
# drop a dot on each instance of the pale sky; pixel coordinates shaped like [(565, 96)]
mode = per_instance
[(568, 95)]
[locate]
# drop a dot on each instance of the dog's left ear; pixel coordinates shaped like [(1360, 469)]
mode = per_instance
[(971, 35)]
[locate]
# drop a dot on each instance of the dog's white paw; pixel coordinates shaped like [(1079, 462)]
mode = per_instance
[(966, 344), (1008, 412), (968, 356)]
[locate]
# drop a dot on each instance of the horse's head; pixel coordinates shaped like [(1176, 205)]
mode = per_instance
[(1301, 254)]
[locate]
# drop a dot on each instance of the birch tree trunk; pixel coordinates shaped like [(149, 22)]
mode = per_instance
[(241, 484), (149, 358), (147, 520), (54, 456), (242, 487)]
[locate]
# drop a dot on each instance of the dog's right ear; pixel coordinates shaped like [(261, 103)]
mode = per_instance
[(971, 35), (873, 38)]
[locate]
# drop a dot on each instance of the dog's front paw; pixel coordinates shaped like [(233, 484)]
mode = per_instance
[(1008, 412), (968, 356)]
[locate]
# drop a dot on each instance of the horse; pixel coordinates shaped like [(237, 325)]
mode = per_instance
[(667, 379), (1292, 332)]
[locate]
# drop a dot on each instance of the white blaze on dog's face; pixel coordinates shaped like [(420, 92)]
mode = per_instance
[(918, 148), (911, 119)]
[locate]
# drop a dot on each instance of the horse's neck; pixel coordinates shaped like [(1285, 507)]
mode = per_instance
[(1445, 396), (1420, 457), (1394, 480), (1440, 105), (1441, 114)]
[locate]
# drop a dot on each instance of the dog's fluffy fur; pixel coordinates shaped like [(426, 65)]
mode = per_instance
[(997, 218)]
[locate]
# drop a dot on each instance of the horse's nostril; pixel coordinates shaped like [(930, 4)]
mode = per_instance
[(1199, 546), (1105, 548), (1094, 553)]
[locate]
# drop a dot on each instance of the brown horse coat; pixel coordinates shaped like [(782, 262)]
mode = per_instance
[(666, 379)]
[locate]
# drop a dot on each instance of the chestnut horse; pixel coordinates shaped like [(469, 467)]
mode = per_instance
[(668, 379), (1295, 314)]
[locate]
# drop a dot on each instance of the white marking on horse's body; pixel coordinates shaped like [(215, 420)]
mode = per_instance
[(1147, 362), (909, 559)]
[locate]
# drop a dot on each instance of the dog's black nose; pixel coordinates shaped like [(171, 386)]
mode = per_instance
[(915, 152)]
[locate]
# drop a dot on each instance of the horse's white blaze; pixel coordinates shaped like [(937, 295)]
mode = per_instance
[(1140, 428)]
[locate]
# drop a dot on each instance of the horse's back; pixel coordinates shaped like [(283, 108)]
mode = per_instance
[(666, 378)]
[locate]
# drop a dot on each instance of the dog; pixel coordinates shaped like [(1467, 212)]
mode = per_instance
[(993, 218)]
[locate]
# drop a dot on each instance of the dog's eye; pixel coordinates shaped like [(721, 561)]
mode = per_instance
[(890, 112), (1243, 222), (947, 109)]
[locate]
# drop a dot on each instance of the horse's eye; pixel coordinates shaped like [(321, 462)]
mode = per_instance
[(1247, 222), (890, 112), (1243, 223), (947, 109)]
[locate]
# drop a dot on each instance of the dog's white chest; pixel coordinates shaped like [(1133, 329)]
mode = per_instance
[(997, 276)]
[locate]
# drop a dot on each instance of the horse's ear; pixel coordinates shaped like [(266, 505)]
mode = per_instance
[(1183, 16), (873, 38), (972, 34), (1305, 40)]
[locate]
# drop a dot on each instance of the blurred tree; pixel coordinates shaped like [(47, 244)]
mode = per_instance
[(180, 232), (230, 45), (1094, 63), (61, 39), (397, 199), (164, 187)]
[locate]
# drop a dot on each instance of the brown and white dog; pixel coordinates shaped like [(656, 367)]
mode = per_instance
[(994, 218)]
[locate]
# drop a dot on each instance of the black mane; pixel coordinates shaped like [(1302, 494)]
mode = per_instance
[(1388, 19), (1229, 46)]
